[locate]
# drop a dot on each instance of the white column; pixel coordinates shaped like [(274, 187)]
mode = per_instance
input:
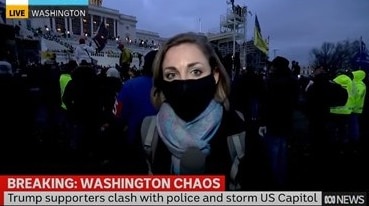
[(70, 26), (54, 24), (48, 24), (115, 28), (65, 24), (92, 25)]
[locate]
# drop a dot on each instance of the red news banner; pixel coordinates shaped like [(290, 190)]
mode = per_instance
[(74, 190), (113, 183)]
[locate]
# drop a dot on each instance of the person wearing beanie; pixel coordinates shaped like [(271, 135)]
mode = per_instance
[(277, 116), (134, 104), (279, 67), (111, 84), (148, 60)]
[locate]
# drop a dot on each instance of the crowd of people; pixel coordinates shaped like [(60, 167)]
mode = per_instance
[(296, 132)]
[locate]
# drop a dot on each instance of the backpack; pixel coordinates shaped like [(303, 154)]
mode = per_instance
[(236, 147)]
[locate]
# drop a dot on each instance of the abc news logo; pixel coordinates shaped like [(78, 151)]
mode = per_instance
[(344, 198)]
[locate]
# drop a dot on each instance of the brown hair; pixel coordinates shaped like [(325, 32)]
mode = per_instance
[(223, 85)]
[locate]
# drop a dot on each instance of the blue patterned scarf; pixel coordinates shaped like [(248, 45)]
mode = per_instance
[(178, 135)]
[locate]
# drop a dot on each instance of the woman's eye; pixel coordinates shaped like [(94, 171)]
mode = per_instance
[(170, 75), (196, 72)]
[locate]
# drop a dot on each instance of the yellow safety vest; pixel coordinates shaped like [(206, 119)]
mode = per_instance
[(125, 56), (63, 81), (347, 84), (360, 91)]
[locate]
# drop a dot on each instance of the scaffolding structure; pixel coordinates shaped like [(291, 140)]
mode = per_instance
[(231, 37)]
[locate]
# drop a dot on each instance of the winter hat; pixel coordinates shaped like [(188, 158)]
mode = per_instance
[(148, 61), (112, 72), (280, 62)]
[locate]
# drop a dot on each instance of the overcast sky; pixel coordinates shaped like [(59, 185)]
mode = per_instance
[(294, 26)]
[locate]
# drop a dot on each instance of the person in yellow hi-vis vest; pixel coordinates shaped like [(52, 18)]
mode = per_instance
[(64, 79), (125, 61), (341, 114), (359, 98)]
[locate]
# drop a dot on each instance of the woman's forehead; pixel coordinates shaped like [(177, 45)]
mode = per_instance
[(188, 52)]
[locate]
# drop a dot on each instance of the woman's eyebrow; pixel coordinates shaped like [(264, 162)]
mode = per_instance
[(188, 66), (193, 64), (170, 68)]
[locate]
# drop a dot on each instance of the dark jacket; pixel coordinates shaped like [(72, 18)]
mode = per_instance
[(279, 103), (82, 96), (322, 95), (247, 92), (110, 87)]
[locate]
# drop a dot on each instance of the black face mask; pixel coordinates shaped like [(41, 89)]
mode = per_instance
[(189, 98)]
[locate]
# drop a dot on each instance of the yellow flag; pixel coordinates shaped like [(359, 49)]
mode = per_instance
[(259, 42)]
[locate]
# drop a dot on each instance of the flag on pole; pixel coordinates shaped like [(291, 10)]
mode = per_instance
[(101, 37), (259, 42)]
